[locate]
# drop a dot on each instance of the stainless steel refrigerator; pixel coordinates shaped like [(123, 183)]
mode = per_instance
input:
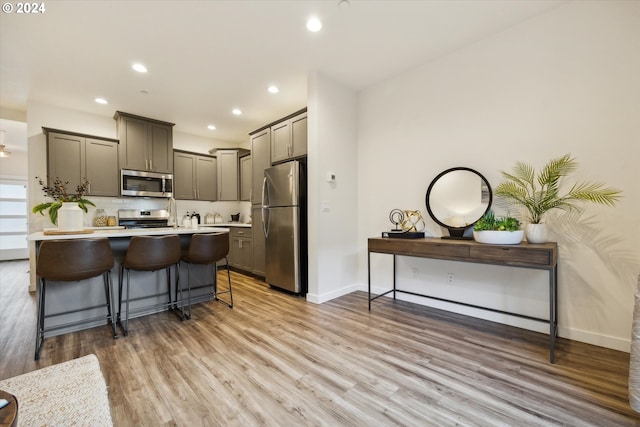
[(284, 222)]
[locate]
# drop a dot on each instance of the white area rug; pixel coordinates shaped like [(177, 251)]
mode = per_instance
[(72, 393)]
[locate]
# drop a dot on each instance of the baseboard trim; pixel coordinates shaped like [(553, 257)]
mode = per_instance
[(321, 298)]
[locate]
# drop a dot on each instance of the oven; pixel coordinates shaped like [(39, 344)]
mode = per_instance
[(133, 218), (145, 184)]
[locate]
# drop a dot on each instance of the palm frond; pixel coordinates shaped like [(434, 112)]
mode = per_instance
[(521, 189)]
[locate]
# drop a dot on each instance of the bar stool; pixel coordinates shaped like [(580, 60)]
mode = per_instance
[(70, 261), (205, 249), (149, 253)]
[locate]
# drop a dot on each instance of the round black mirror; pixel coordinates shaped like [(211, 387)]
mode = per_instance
[(457, 198)]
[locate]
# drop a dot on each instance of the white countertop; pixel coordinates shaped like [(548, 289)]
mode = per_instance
[(113, 232), (227, 224)]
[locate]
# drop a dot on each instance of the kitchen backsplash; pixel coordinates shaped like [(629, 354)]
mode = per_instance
[(225, 209)]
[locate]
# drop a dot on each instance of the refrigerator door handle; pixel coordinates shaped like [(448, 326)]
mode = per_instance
[(265, 210)]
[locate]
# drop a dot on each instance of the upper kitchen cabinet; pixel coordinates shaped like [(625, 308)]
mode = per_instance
[(145, 144), (289, 138), (260, 160), (194, 176), (245, 178), (229, 172), (73, 156)]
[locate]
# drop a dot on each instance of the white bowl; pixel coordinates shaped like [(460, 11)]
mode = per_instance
[(499, 237)]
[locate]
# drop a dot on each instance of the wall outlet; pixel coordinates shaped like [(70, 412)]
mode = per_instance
[(450, 277), (414, 272)]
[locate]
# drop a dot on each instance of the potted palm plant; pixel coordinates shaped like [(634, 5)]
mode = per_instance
[(72, 204), (540, 193)]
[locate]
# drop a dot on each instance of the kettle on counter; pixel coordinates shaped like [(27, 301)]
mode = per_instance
[(235, 217)]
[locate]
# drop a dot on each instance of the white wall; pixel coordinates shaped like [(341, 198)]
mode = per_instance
[(332, 118), (567, 81)]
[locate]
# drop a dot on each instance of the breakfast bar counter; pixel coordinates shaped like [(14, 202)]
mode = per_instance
[(66, 296)]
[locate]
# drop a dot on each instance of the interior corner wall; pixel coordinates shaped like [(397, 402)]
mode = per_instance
[(332, 206), (567, 81)]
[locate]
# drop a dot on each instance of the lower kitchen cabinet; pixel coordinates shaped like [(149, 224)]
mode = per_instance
[(241, 248)]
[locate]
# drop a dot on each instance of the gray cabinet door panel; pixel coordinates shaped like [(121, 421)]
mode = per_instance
[(280, 142), (245, 178), (134, 140), (184, 185), (161, 148), (227, 175), (299, 135), (65, 158), (206, 178), (260, 160), (101, 165)]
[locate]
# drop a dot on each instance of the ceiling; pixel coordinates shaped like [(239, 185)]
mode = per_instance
[(205, 58)]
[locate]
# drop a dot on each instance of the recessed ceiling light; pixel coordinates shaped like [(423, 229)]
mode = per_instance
[(139, 68), (273, 89), (314, 25), (211, 127), (101, 101), (236, 111), (344, 4)]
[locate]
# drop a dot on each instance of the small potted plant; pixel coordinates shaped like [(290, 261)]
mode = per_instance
[(501, 231), (541, 193), (61, 197)]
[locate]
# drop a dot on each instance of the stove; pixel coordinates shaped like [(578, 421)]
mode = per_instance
[(133, 218)]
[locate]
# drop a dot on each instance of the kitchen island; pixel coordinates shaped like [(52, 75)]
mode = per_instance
[(66, 296)]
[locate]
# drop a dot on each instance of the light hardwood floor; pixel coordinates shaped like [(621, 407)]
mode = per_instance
[(276, 360)]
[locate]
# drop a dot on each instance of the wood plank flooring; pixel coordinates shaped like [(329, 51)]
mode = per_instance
[(276, 360)]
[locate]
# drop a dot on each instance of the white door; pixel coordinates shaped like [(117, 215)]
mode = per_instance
[(13, 220)]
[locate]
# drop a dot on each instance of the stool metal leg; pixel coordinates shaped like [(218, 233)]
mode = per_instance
[(40, 323)]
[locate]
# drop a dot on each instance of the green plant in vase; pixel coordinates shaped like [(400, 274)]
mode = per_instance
[(539, 193), (59, 193), (489, 222)]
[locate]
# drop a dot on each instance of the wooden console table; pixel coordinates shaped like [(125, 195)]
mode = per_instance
[(537, 256)]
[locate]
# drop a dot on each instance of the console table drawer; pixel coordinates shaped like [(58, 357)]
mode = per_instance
[(419, 248), (512, 255)]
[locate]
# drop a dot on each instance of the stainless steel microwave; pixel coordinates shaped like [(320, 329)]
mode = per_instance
[(145, 184)]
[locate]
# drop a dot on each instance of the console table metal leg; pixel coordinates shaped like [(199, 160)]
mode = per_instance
[(394, 277), (369, 278), (553, 313)]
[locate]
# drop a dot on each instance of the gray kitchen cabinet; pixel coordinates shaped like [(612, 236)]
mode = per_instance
[(260, 160), (259, 266), (228, 176), (101, 167), (74, 156), (145, 144), (206, 178), (241, 248), (194, 176), (245, 178), (289, 139)]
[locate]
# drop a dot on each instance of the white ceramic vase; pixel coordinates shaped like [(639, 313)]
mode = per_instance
[(70, 217), (536, 233)]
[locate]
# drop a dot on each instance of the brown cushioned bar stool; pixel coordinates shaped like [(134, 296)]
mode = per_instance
[(205, 249), (149, 253), (70, 261)]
